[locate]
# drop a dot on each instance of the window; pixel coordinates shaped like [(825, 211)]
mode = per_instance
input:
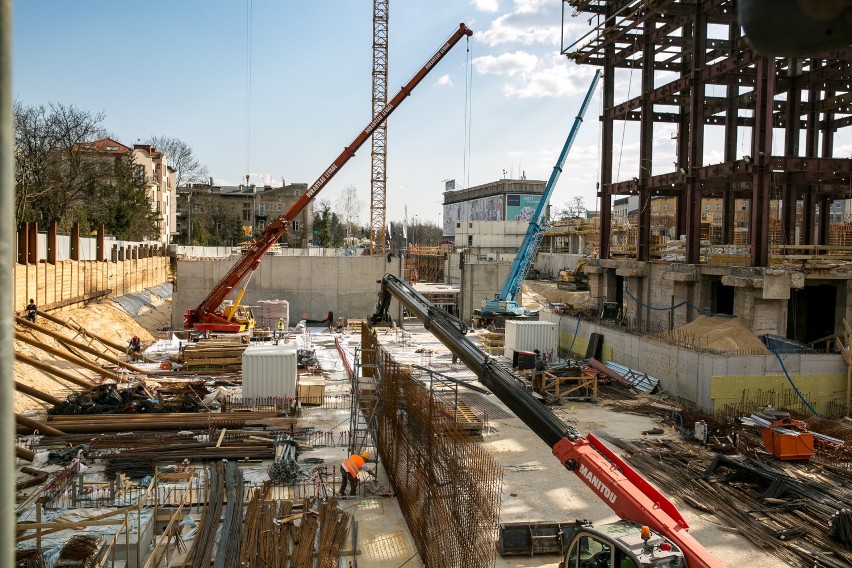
[(218, 226), (744, 206), (707, 207), (261, 209), (279, 207), (295, 226), (260, 225), (458, 225), (246, 215), (470, 240), (589, 551), (297, 193), (470, 225), (665, 206)]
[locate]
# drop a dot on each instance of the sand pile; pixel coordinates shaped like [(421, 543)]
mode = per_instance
[(105, 319), (717, 334), (545, 292)]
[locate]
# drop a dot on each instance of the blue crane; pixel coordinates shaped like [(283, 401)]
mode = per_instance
[(504, 301)]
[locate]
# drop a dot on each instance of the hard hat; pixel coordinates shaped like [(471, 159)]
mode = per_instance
[(365, 455)]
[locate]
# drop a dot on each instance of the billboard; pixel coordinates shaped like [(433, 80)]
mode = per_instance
[(520, 207), (481, 209)]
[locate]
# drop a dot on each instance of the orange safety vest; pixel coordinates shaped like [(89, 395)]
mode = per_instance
[(353, 465)]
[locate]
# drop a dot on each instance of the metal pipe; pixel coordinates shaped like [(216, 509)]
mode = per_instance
[(69, 357), (36, 425), (77, 327), (598, 366), (80, 345), (59, 373), (7, 287), (24, 454), (35, 393)]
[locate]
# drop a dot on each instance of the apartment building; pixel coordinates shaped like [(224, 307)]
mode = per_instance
[(231, 214)]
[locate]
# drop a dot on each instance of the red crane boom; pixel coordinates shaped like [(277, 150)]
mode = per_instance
[(630, 495), (207, 312)]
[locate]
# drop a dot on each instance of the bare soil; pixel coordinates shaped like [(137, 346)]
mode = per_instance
[(105, 319)]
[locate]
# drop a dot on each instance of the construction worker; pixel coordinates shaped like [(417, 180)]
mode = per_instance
[(31, 310), (349, 470), (134, 347), (280, 327)]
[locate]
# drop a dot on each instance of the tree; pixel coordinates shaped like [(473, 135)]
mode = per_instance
[(121, 204), (349, 207), (328, 230), (181, 158), (573, 209), (52, 177)]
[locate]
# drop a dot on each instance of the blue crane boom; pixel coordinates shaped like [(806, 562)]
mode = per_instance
[(504, 301)]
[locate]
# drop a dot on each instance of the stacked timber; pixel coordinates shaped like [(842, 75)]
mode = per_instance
[(492, 343), (462, 418), (212, 355)]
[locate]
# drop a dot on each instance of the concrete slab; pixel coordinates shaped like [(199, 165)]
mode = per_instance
[(537, 488)]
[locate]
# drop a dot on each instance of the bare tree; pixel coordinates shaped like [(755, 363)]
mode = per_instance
[(348, 207), (573, 209), (181, 158), (52, 177)]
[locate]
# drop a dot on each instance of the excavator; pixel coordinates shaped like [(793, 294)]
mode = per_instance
[(209, 315), (652, 532), (573, 280)]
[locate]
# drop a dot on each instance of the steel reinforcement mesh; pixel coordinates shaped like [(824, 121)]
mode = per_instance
[(448, 487)]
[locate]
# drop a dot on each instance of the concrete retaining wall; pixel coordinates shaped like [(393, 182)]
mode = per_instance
[(313, 285), (710, 381)]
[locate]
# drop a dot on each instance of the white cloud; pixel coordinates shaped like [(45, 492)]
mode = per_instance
[(509, 64), (529, 6), (554, 78), (444, 81), (486, 5), (510, 29)]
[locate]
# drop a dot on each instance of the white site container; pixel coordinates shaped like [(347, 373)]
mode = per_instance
[(269, 370), (528, 336)]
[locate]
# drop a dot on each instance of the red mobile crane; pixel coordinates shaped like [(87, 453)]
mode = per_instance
[(653, 532), (207, 315)]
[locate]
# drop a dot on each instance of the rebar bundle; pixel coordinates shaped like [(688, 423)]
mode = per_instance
[(767, 503), (81, 547)]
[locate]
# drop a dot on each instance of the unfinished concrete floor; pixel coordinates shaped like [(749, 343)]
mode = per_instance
[(536, 487)]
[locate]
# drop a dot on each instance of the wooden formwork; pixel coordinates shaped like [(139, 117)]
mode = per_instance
[(571, 384)]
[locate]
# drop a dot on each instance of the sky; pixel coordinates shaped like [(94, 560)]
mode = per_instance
[(276, 89)]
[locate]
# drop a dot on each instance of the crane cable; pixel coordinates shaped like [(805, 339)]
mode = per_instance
[(468, 113), (249, 11)]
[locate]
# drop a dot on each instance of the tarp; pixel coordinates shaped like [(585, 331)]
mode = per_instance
[(134, 302)]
